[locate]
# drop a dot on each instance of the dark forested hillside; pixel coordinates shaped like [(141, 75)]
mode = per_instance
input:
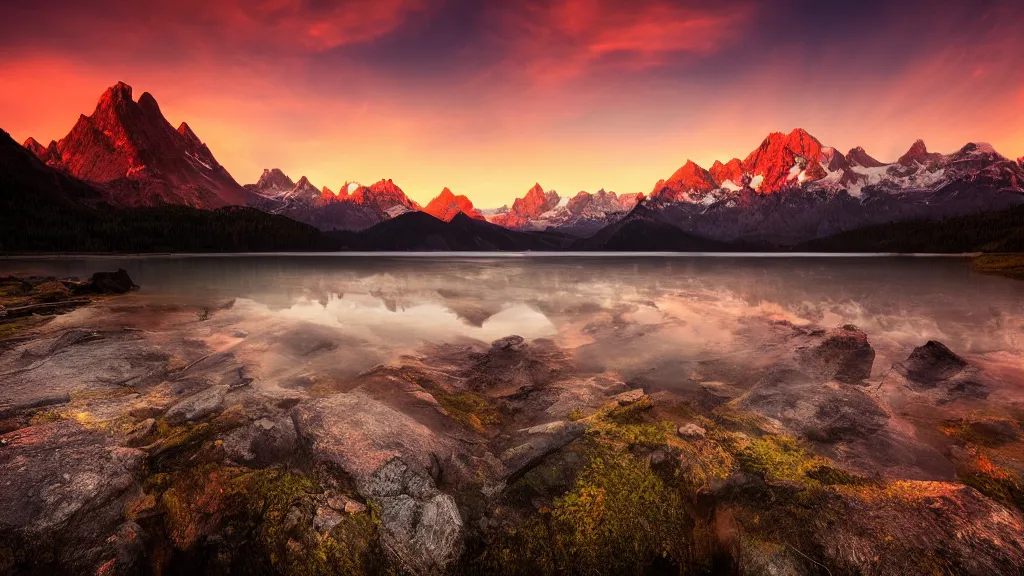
[(44, 210), (991, 232)]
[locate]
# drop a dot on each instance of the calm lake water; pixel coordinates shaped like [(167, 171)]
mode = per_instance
[(659, 318)]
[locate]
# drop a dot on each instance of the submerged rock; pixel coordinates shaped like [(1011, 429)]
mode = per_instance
[(844, 355)]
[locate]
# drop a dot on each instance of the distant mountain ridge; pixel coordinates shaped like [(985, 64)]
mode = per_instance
[(789, 190)]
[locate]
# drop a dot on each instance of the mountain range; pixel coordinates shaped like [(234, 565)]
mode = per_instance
[(790, 191)]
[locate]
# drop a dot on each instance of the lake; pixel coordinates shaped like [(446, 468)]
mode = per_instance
[(440, 406)]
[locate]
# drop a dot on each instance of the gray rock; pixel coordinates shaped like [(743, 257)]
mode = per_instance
[(390, 456), (691, 431), (198, 406), (627, 398), (263, 443), (534, 444), (70, 485), (420, 525)]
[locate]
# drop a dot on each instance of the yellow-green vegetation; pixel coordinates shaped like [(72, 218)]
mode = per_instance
[(50, 292), (631, 425), (1009, 265), (782, 459), (264, 515), (8, 329), (620, 517), (269, 496), (471, 410), (576, 414)]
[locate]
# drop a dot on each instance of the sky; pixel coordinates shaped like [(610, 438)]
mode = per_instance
[(489, 97)]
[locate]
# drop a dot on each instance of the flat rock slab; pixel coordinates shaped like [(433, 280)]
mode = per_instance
[(534, 444)]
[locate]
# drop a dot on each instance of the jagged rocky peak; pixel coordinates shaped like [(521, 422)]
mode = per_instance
[(185, 130), (45, 154), (274, 179), (918, 154), (731, 171), (447, 206), (859, 157), (124, 141)]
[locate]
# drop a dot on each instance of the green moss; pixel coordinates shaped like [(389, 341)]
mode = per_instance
[(269, 496), (8, 329), (469, 409), (781, 458), (576, 414), (620, 517)]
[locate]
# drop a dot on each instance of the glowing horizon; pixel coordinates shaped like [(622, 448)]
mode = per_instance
[(487, 99)]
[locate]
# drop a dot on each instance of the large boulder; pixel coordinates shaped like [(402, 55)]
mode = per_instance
[(932, 364), (70, 485), (111, 283), (934, 367), (844, 355), (396, 462)]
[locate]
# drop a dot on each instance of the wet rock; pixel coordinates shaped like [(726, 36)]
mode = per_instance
[(265, 442), (70, 485), (818, 411), (936, 367), (512, 365), (691, 431), (534, 444), (110, 283), (125, 552), (932, 364), (844, 355), (198, 406), (513, 343)]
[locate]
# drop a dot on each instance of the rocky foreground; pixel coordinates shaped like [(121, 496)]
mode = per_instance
[(130, 446)]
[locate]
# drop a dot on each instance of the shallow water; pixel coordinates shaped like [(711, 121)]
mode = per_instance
[(657, 318)]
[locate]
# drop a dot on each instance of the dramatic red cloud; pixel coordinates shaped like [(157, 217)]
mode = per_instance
[(487, 98), (568, 38)]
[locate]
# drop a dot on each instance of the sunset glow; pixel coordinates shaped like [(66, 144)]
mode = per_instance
[(488, 98)]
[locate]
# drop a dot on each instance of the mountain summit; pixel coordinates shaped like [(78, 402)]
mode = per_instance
[(130, 150), (447, 205)]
